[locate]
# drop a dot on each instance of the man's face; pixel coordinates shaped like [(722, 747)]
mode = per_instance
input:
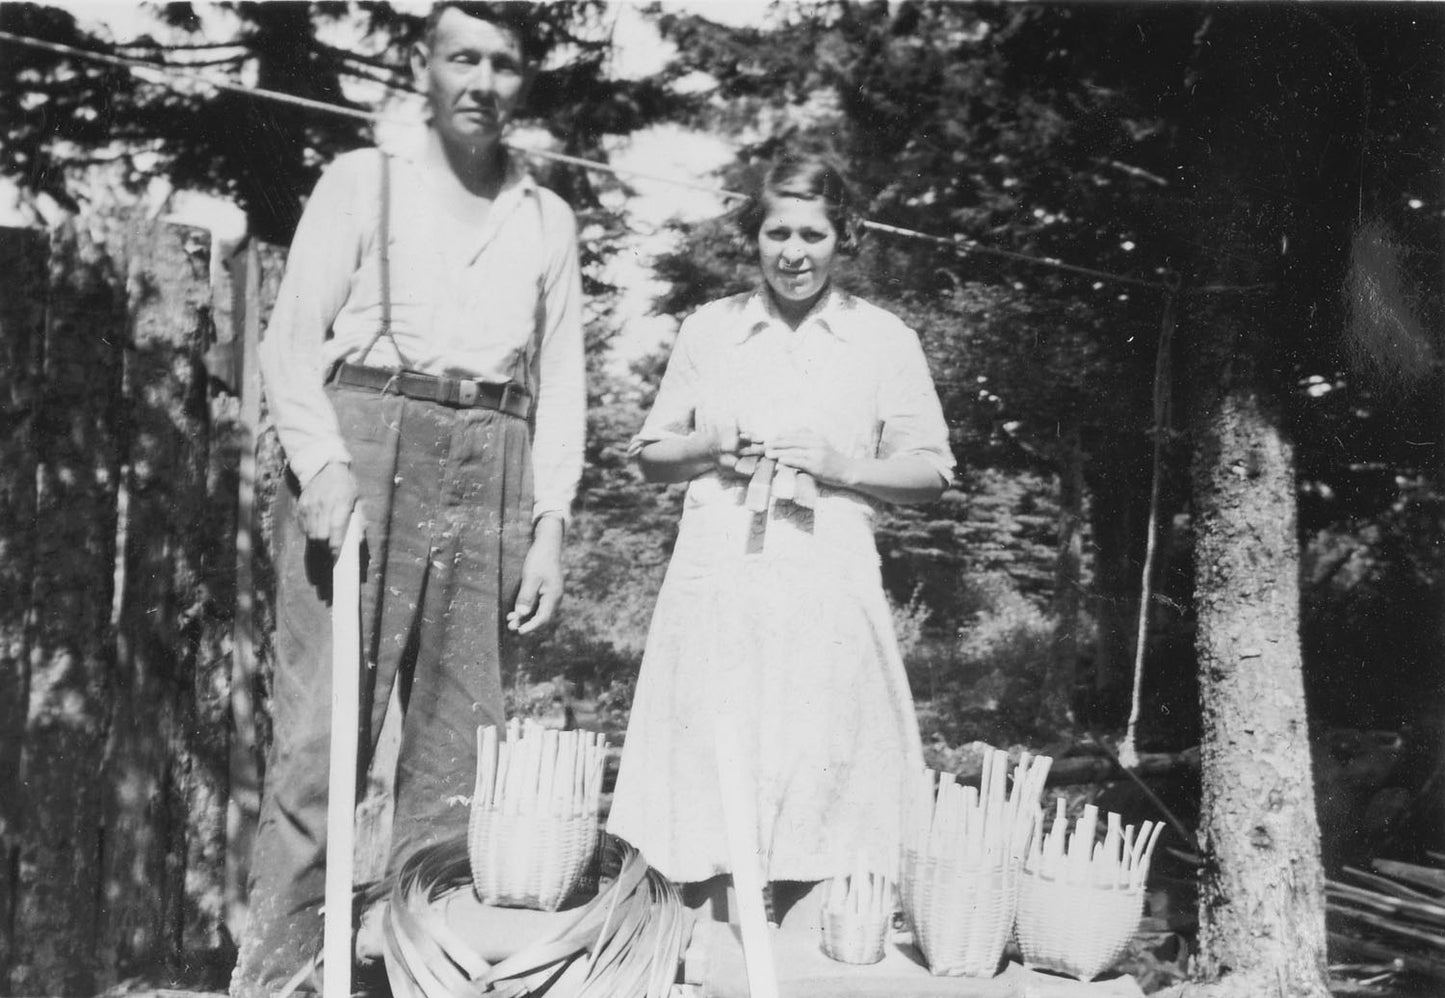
[(473, 74)]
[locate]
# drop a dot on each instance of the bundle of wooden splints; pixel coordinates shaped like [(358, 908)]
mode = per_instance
[(1119, 860), (1080, 899), (961, 866), (988, 825), (857, 914), (533, 830), (767, 480)]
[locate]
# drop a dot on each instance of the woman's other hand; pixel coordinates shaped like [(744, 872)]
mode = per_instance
[(807, 450)]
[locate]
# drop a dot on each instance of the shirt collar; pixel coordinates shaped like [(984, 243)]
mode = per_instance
[(828, 313), (515, 176)]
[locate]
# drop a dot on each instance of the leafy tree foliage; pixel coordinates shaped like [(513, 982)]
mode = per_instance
[(267, 156)]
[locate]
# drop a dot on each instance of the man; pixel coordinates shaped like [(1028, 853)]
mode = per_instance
[(423, 365)]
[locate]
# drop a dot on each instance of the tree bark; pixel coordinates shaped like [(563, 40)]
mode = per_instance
[(54, 917), (1262, 890), (163, 791), (23, 255)]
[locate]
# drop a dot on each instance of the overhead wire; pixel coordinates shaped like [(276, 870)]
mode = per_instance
[(959, 244)]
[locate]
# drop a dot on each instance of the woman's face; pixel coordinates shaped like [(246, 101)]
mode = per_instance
[(797, 245)]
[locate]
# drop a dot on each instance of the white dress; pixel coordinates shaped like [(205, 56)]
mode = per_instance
[(779, 621)]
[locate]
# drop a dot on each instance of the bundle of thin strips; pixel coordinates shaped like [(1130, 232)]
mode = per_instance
[(960, 869), (857, 913), (624, 943), (1080, 900), (533, 830)]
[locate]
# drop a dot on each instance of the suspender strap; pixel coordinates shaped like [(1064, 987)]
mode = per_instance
[(383, 234)]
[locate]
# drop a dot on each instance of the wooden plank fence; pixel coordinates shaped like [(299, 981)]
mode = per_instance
[(127, 459)]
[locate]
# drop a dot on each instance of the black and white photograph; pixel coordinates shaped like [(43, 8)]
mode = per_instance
[(722, 499)]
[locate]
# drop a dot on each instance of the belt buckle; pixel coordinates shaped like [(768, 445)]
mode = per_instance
[(467, 393)]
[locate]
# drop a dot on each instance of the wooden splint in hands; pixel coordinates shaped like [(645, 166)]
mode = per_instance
[(770, 480)]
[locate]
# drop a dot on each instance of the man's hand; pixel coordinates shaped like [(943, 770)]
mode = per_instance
[(325, 506), (541, 578)]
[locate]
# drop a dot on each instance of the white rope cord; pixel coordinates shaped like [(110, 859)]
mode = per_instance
[(1163, 363)]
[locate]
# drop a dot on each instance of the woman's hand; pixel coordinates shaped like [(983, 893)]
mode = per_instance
[(680, 459), (727, 447), (902, 478), (807, 450)]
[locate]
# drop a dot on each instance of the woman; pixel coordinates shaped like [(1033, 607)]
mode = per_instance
[(772, 613)]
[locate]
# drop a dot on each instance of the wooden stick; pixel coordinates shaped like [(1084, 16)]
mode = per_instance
[(341, 794), (805, 491), (760, 486), (741, 821), (486, 765), (1143, 872)]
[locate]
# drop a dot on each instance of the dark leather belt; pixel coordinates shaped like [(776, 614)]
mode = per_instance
[(459, 393)]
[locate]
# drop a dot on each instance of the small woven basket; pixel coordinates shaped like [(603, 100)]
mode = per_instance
[(850, 937), (529, 860), (961, 916), (1075, 929)]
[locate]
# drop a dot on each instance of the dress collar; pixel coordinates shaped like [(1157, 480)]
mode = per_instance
[(827, 312)]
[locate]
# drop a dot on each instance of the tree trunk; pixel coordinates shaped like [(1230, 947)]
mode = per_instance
[(166, 745), (1262, 892), (22, 330), (114, 735), (54, 882)]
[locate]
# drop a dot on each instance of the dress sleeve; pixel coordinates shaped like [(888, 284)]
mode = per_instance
[(674, 410), (324, 254), (909, 410)]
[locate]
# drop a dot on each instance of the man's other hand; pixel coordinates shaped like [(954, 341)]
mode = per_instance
[(541, 590)]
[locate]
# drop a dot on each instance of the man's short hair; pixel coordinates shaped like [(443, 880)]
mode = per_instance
[(515, 16)]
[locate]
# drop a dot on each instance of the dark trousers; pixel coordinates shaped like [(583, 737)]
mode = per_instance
[(447, 498)]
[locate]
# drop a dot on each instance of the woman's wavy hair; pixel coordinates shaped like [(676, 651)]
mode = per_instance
[(810, 178)]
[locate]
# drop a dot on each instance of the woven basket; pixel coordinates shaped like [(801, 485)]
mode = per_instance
[(528, 860), (961, 916), (849, 937), (1076, 929)]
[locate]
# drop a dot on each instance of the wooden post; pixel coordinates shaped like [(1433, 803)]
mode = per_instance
[(740, 816)]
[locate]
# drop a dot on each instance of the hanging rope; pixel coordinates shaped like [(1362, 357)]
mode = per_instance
[(1163, 364)]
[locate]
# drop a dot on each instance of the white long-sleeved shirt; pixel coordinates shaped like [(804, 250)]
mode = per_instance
[(499, 302)]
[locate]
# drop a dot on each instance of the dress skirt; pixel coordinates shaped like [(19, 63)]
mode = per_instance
[(778, 622)]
